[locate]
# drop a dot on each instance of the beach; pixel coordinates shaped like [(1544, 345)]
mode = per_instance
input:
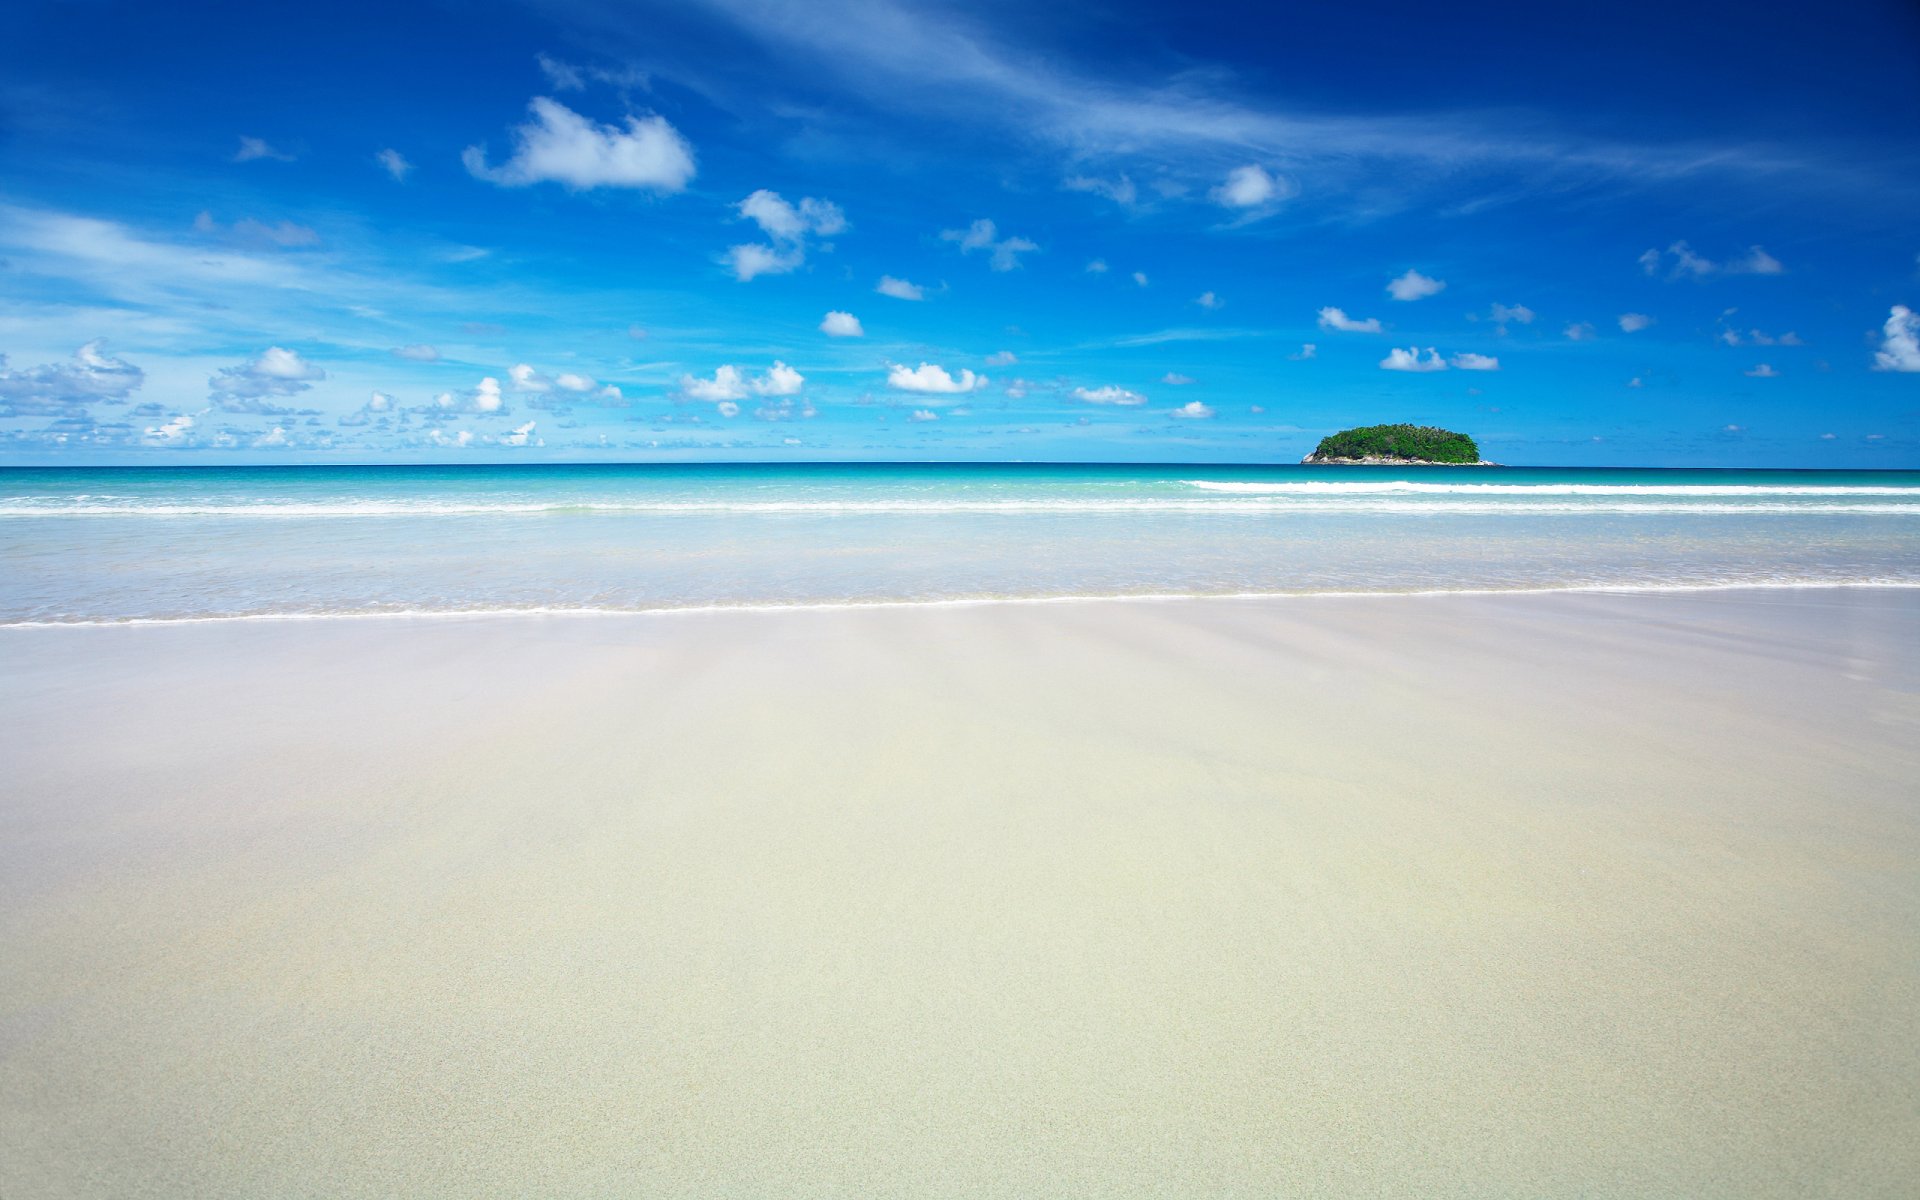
[(1524, 894)]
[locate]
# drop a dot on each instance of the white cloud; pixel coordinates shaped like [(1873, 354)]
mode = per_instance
[(789, 226), (753, 259), (1003, 254), (1193, 410), (1410, 360), (780, 380), (1209, 300), (923, 414), (899, 289), (1140, 277), (277, 372), (1900, 341), (841, 324), (1634, 322), (1338, 321), (930, 378), (1415, 286), (1251, 187), (1468, 361), (173, 432), (484, 400), (1097, 267), (1110, 395), (727, 408), (252, 148), (273, 438), (418, 353), (637, 333), (526, 379), (1580, 331), (730, 383), (519, 435), (1002, 358), (92, 376), (561, 146), (394, 164), (568, 381), (1175, 379), (1681, 262), (1635, 382), (1307, 350), (727, 384), (1763, 371)]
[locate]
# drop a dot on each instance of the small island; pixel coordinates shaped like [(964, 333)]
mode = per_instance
[(1397, 445)]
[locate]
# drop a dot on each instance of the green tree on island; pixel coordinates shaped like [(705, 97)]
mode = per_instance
[(1404, 443)]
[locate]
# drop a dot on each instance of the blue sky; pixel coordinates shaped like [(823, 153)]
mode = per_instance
[(733, 229)]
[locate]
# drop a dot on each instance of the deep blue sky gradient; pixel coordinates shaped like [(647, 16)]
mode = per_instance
[(1526, 155)]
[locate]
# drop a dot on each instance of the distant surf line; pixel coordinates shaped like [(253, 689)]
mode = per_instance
[(798, 606)]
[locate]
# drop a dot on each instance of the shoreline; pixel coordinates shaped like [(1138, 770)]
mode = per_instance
[(962, 602)]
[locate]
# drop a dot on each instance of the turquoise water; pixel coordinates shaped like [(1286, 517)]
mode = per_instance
[(120, 544)]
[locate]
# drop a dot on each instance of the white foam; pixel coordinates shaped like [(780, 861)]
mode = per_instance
[(967, 602), (1410, 487)]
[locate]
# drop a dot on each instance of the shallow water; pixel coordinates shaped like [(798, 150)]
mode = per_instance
[(120, 544)]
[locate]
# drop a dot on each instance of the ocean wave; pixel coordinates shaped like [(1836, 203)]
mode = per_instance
[(977, 601), (1380, 499), (1413, 488)]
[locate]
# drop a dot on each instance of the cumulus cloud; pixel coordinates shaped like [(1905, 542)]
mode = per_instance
[(1097, 267), (393, 163), (1634, 322), (1410, 360), (1175, 379), (91, 376), (485, 400), (1002, 358), (1469, 361), (933, 379), (1307, 350), (379, 408), (1140, 277), (171, 433), (1415, 286), (1580, 331), (1003, 254), (1679, 261), (561, 146), (729, 383), (252, 148), (249, 387), (1251, 188), (1900, 341), (899, 289), (1762, 371), (1193, 410), (518, 437), (923, 414), (789, 226), (1110, 394), (841, 324), (418, 353), (786, 410), (1338, 321), (1208, 300)]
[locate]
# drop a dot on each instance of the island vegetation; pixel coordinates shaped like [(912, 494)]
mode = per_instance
[(1397, 444)]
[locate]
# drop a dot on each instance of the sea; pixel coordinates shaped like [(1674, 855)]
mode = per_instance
[(115, 545)]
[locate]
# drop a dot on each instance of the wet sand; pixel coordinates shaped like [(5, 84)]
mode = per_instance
[(1471, 896)]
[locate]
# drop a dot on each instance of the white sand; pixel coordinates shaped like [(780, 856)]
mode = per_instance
[(1542, 896)]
